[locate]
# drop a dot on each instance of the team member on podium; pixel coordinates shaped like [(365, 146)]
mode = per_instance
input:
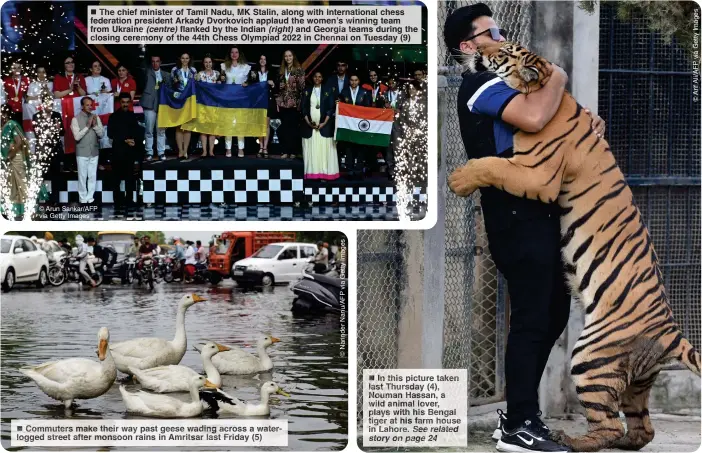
[(69, 84), (354, 95), (149, 102)]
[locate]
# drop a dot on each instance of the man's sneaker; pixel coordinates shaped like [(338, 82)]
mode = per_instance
[(528, 437), (502, 418)]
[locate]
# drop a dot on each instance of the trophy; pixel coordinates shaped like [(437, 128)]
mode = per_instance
[(275, 124)]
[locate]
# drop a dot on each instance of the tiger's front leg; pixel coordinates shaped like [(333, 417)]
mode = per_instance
[(541, 183)]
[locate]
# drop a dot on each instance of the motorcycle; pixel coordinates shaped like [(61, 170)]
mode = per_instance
[(201, 274), (319, 293), (166, 267), (148, 273), (332, 270), (67, 269)]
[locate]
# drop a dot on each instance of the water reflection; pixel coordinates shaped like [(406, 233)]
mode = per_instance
[(55, 323)]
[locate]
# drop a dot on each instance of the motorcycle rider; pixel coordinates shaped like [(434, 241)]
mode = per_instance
[(146, 250), (105, 254), (46, 246), (190, 261), (84, 260), (179, 258), (321, 259)]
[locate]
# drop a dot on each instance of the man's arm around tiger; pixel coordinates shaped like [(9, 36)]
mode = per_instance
[(524, 235)]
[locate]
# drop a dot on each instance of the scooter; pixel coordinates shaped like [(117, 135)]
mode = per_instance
[(319, 294)]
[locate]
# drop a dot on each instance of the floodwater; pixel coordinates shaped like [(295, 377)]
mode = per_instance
[(55, 323)]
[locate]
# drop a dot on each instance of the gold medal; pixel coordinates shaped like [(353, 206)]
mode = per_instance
[(16, 99), (71, 93), (156, 86)]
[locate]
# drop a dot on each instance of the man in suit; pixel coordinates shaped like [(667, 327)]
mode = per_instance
[(155, 78), (340, 81), (123, 128), (355, 95)]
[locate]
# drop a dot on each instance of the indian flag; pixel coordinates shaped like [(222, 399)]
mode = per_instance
[(363, 125)]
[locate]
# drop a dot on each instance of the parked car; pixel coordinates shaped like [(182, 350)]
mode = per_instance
[(233, 246), (280, 262), (21, 261)]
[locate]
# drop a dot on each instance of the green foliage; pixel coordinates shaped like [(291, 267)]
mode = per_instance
[(669, 18), (157, 237)]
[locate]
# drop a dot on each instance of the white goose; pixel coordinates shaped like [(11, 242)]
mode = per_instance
[(222, 403), (238, 361), (176, 378), (154, 405), (76, 378), (150, 352)]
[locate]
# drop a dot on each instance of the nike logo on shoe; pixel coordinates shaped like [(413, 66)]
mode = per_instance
[(528, 442)]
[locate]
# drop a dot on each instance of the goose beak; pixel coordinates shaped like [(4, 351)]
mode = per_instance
[(197, 298), (222, 348), (102, 349), (282, 392), (209, 384), (275, 340)]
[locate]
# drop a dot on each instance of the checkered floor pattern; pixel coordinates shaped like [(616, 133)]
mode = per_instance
[(247, 186), (68, 192), (248, 213), (359, 194)]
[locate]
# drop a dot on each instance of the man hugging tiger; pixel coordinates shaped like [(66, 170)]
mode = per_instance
[(561, 221)]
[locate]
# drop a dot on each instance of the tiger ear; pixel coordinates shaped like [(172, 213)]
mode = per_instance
[(528, 74)]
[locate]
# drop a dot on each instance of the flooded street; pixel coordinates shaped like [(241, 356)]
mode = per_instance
[(55, 323)]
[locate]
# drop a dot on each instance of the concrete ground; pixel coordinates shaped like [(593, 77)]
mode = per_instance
[(674, 433)]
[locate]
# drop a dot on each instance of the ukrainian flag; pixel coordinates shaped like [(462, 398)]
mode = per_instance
[(230, 110), (176, 108), (216, 109)]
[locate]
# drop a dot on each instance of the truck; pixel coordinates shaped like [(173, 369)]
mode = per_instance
[(232, 246)]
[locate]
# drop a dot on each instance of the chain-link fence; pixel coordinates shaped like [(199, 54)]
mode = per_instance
[(475, 304), (657, 146), (380, 267)]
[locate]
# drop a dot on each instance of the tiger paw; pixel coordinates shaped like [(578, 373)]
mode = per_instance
[(462, 181), (559, 436)]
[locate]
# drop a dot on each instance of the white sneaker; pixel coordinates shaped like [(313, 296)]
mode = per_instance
[(497, 434)]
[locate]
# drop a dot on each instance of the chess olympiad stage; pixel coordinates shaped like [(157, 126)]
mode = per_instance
[(249, 188)]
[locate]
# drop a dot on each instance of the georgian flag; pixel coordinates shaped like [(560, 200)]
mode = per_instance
[(103, 105)]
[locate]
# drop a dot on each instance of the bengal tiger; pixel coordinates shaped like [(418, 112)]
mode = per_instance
[(609, 260)]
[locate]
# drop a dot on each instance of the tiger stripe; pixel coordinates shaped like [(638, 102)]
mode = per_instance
[(609, 258)]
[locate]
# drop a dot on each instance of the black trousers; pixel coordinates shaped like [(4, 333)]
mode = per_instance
[(289, 131), (354, 157), (123, 158), (526, 250)]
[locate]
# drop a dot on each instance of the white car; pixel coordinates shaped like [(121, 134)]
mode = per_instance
[(280, 262), (21, 261)]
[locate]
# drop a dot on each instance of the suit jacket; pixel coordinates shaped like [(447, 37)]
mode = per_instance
[(380, 100), (150, 95), (332, 84), (327, 108), (363, 98)]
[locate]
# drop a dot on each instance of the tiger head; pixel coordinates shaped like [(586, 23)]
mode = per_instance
[(522, 70)]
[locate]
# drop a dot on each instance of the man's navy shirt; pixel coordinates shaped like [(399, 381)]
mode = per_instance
[(482, 99)]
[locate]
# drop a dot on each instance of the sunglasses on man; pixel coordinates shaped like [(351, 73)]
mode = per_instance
[(495, 33)]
